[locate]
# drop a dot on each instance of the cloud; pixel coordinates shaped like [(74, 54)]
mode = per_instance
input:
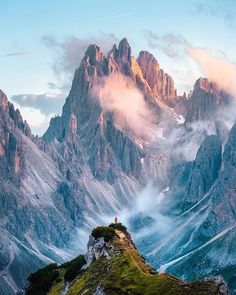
[(171, 44), (16, 53), (50, 102), (69, 52), (216, 10), (217, 69), (119, 94), (37, 120)]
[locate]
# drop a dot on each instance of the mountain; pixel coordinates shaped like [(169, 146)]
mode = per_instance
[(202, 231), (95, 134), (121, 128), (112, 265), (34, 224), (86, 166), (205, 100)]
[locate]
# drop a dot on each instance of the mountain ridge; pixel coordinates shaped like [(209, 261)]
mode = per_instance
[(87, 166), (112, 265)]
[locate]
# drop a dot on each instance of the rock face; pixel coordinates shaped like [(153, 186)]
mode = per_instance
[(94, 135), (87, 165), (161, 84), (205, 230), (205, 100), (11, 153), (29, 182), (47, 183), (205, 169)]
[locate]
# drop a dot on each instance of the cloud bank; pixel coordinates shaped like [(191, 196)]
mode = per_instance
[(119, 94), (37, 120), (216, 69), (49, 102)]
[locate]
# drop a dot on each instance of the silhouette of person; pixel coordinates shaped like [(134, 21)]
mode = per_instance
[(116, 219)]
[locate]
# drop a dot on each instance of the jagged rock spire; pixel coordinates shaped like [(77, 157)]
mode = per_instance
[(3, 99), (161, 84), (124, 51)]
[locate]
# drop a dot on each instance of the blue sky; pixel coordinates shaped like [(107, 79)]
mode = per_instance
[(28, 63)]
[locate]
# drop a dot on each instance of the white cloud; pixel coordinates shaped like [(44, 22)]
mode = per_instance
[(37, 120), (120, 95), (216, 69), (49, 102)]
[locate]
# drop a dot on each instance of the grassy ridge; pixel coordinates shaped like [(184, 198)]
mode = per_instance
[(125, 273)]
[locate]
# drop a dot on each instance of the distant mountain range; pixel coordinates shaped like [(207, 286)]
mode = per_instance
[(123, 126)]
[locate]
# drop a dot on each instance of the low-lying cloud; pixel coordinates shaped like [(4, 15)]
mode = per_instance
[(216, 69), (120, 95)]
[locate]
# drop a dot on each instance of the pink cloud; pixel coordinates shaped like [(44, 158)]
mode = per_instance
[(217, 69), (120, 95)]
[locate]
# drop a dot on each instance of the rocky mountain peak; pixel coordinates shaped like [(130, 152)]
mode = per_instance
[(205, 85), (124, 51), (205, 100), (93, 54), (161, 84), (3, 99)]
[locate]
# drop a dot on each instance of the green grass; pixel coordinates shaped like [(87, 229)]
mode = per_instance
[(129, 274), (107, 232), (58, 284), (125, 273)]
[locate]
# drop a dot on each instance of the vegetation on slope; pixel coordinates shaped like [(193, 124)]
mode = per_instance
[(125, 272), (41, 281)]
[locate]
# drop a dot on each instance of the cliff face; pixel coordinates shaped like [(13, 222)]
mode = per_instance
[(30, 221), (89, 131), (88, 165), (204, 229), (205, 100), (113, 265), (205, 169), (90, 134), (161, 84), (11, 151)]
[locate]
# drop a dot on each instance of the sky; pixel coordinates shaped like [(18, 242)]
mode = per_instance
[(42, 43)]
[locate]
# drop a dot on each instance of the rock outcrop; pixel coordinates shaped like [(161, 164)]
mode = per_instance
[(205, 100), (205, 229), (87, 165), (161, 84), (205, 169), (116, 267), (96, 138)]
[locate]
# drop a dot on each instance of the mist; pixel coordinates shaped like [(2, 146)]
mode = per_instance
[(217, 69), (119, 94)]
